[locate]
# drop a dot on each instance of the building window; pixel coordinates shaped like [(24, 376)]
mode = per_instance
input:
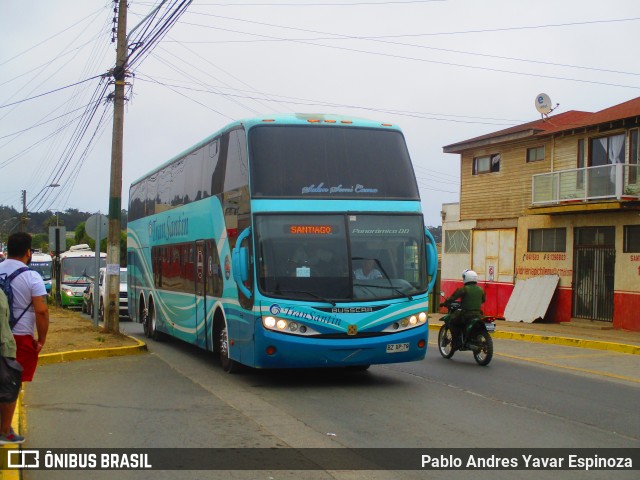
[(632, 239), (547, 240), (486, 164), (457, 241), (581, 163), (634, 157), (607, 150), (535, 154)]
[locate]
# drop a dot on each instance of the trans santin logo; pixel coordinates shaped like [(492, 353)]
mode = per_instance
[(170, 228)]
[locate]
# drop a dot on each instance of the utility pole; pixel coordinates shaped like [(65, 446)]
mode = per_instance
[(112, 323), (23, 219)]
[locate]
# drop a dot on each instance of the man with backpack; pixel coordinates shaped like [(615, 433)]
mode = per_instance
[(29, 303), (7, 350)]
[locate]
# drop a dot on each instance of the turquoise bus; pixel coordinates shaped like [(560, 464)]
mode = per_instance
[(289, 241)]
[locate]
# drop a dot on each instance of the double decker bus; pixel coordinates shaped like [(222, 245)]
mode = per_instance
[(290, 241), (76, 269)]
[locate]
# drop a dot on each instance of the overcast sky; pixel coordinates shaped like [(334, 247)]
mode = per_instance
[(444, 71)]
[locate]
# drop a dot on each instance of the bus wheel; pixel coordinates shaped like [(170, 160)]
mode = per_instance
[(144, 318), (150, 321), (228, 365), (101, 311)]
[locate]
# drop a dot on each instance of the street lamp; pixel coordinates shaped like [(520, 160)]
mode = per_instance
[(23, 222)]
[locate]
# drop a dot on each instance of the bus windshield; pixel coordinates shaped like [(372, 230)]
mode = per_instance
[(330, 162), (340, 257), (43, 268), (79, 270)]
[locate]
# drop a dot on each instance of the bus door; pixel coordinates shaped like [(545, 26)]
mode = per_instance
[(201, 293)]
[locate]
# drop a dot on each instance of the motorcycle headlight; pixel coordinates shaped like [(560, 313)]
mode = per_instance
[(408, 322)]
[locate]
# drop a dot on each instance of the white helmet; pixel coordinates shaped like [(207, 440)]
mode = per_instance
[(469, 276)]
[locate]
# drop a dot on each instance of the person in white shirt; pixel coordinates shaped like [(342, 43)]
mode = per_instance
[(30, 297), (368, 271)]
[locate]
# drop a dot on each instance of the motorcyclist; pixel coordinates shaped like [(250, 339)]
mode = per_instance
[(471, 298)]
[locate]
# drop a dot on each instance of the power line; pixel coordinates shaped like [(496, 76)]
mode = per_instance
[(404, 57), (306, 102), (328, 4), (44, 122), (64, 30), (50, 92)]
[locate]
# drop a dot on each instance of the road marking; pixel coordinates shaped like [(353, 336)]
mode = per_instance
[(565, 367), (575, 369)]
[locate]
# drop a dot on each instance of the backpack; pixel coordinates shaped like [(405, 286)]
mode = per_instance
[(5, 285)]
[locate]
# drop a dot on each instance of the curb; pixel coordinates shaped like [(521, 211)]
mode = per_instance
[(51, 358), (19, 417), (566, 341)]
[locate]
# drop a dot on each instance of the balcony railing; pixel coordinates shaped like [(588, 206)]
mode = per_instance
[(607, 182)]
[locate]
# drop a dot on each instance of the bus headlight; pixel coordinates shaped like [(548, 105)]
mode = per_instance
[(283, 325), (407, 322), (68, 293)]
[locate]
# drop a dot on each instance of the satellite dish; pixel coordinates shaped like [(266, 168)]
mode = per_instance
[(543, 104)]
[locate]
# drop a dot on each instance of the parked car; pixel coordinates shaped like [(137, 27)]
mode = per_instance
[(87, 300)]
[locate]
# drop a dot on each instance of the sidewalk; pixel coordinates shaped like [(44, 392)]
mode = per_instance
[(19, 418)]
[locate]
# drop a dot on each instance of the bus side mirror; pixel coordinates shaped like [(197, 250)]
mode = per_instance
[(432, 258), (240, 263)]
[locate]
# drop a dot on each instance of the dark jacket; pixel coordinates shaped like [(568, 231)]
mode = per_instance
[(471, 298)]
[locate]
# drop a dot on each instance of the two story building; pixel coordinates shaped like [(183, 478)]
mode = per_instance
[(557, 196)]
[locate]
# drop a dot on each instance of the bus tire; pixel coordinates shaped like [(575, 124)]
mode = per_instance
[(101, 310), (228, 365), (151, 320), (144, 319)]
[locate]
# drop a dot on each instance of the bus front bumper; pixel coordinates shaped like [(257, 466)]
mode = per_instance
[(276, 350)]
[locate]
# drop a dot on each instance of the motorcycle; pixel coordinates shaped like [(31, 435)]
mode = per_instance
[(474, 336)]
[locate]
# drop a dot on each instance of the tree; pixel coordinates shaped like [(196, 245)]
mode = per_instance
[(40, 241)]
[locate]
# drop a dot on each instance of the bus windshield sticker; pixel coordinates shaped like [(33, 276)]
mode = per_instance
[(303, 272), (310, 229), (320, 188)]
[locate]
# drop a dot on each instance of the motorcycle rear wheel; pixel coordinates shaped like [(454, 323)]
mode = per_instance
[(445, 342), (484, 353)]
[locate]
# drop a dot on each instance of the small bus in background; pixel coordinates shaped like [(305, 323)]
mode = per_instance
[(76, 269), (289, 241), (43, 264)]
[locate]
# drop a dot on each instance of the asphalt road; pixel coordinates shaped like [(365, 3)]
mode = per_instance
[(177, 396)]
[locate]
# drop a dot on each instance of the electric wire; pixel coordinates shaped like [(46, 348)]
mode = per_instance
[(318, 103), (404, 57), (191, 77)]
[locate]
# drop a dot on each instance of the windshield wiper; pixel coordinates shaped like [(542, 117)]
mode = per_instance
[(315, 295), (386, 287)]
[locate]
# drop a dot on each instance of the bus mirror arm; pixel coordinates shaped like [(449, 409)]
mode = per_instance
[(432, 259), (240, 263)]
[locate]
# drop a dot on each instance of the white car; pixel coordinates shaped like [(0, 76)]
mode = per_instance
[(124, 299)]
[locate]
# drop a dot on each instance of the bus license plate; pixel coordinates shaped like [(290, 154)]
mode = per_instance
[(397, 347)]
